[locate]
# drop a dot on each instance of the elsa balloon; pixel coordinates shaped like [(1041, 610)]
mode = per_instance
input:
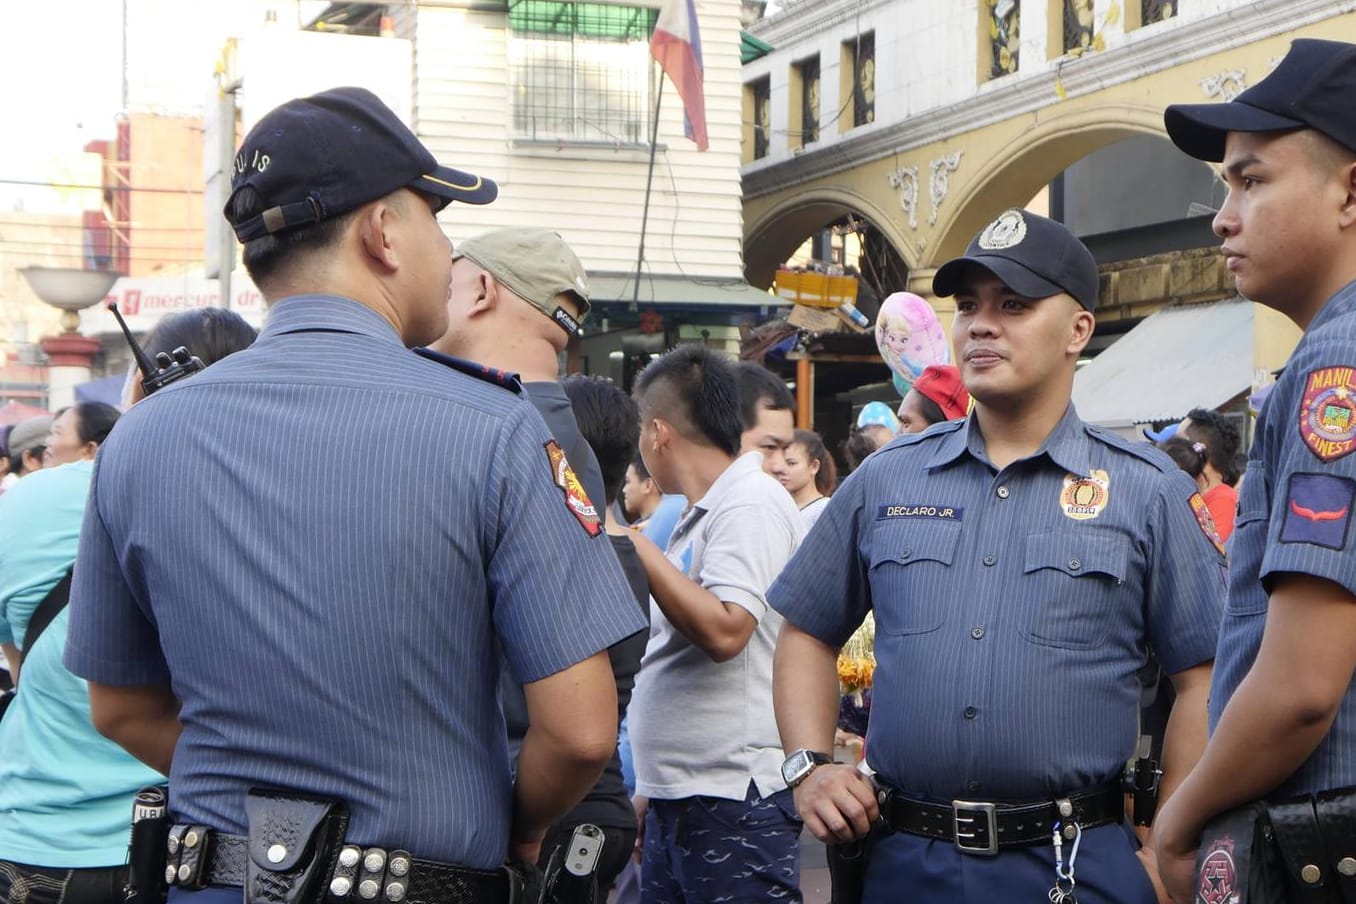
[(910, 337)]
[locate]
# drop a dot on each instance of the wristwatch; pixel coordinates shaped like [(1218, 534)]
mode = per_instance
[(797, 767)]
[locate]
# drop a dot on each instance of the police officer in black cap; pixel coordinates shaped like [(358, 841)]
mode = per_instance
[(1282, 705), (1019, 563)]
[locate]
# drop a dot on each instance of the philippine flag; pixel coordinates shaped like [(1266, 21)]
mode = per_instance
[(677, 45)]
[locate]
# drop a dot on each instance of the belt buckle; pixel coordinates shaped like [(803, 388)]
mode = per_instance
[(974, 827)]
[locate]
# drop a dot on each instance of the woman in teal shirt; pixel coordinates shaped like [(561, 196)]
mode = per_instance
[(65, 790)]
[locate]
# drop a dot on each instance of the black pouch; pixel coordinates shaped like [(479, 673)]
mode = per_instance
[(146, 854), (1294, 824), (294, 843), (847, 866), (1239, 861)]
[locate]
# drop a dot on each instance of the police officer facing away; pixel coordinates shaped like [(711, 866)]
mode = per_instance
[(1283, 708), (256, 607), (1019, 563)]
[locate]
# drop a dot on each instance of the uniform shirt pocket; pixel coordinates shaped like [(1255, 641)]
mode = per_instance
[(1248, 543), (911, 576), (1070, 578)]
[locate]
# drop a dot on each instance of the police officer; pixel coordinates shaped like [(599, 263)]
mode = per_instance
[(297, 570), (1282, 708), (1019, 563)]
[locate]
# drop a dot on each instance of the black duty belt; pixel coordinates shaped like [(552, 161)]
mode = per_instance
[(979, 827), (361, 875)]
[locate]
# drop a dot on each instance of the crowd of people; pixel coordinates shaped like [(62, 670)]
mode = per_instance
[(398, 612)]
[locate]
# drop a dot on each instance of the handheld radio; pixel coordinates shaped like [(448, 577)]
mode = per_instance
[(167, 367)]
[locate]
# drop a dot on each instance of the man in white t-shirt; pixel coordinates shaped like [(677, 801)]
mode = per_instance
[(720, 819)]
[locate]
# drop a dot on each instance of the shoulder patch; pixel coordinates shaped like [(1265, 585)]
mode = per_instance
[(501, 378), (1327, 415), (1318, 510), (1206, 521), (576, 499)]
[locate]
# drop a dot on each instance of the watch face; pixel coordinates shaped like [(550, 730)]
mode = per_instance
[(795, 766)]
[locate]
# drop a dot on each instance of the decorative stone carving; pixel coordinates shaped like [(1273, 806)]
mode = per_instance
[(905, 178), (1225, 85), (940, 184)]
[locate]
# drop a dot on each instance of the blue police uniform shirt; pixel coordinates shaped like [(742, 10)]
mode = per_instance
[(1013, 607), (321, 542), (1294, 516)]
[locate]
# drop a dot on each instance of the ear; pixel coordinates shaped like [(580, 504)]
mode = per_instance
[(814, 466), (374, 227), (89, 450), (1347, 214), (1083, 325), (486, 293)]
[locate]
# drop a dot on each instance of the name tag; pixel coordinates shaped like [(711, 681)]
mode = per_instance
[(937, 512)]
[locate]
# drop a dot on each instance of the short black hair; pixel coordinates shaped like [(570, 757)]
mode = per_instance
[(860, 443), (270, 256), (1221, 439), (639, 464), (94, 421), (609, 421), (208, 333), (696, 390), (1190, 456), (761, 388), (932, 412)]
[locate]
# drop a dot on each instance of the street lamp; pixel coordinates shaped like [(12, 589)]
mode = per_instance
[(69, 354)]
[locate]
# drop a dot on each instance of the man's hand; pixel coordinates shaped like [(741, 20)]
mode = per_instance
[(837, 802), (641, 804), (526, 851), (1149, 861), (1176, 837)]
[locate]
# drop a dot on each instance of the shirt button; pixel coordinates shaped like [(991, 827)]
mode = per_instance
[(1002, 492), (971, 712), (906, 553), (976, 632), (990, 560), (973, 785), (1074, 564)]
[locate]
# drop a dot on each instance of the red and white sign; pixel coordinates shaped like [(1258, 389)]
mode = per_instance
[(142, 301)]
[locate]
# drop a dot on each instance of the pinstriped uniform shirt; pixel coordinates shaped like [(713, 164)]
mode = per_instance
[(1294, 516), (321, 543), (1012, 607)]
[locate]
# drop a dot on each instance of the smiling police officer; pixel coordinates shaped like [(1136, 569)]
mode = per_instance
[(1019, 564)]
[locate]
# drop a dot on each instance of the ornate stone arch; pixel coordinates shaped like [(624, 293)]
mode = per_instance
[(1016, 171)]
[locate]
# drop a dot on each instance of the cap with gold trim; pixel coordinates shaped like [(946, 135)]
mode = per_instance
[(317, 157)]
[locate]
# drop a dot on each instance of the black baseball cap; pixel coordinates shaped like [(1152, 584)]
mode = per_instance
[(317, 157), (1034, 256), (1311, 88)]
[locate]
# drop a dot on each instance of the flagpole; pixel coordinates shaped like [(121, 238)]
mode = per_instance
[(649, 180)]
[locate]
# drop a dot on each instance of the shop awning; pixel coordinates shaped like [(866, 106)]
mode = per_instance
[(678, 291), (1184, 357)]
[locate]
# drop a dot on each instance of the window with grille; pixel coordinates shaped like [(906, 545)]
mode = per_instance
[(580, 71), (864, 79), (1156, 11), (1077, 25), (1003, 21), (809, 100), (761, 91)]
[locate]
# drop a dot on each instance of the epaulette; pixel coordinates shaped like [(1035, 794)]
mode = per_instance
[(500, 378), (941, 428), (1144, 451)]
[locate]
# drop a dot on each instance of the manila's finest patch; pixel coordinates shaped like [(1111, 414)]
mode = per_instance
[(1217, 881), (576, 500), (1206, 521), (1318, 510), (1083, 498), (1327, 417)]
